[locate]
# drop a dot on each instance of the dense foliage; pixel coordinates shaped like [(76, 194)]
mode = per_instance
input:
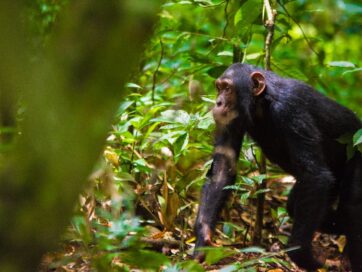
[(145, 190)]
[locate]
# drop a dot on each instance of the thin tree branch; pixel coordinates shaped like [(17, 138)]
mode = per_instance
[(300, 27), (269, 25), (226, 18), (154, 79)]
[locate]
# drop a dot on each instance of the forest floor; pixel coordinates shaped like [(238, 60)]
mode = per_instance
[(328, 248)]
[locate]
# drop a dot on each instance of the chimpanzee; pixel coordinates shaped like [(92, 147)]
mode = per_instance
[(297, 128)]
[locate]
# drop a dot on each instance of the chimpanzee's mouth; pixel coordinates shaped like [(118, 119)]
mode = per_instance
[(225, 115)]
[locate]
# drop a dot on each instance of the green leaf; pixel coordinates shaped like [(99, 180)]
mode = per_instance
[(123, 176), (352, 71), (190, 266), (350, 151), (230, 268), (225, 53), (238, 16), (162, 203), (227, 229), (83, 229), (249, 12), (345, 138), (357, 138), (125, 105), (144, 259), (353, 8), (204, 3), (262, 191), (133, 85), (173, 116), (185, 3), (141, 166), (171, 137), (206, 121), (208, 100), (199, 58), (181, 144), (281, 212), (244, 198), (217, 71), (215, 254), (252, 250), (260, 178), (254, 56), (247, 180), (283, 239), (341, 64)]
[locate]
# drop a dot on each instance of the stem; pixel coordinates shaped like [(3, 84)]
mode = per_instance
[(226, 18), (154, 79), (269, 25)]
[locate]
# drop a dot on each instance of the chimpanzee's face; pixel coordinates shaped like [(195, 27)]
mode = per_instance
[(237, 88), (225, 109)]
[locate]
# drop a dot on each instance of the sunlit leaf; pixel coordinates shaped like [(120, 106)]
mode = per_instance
[(225, 53), (230, 268), (173, 116), (133, 85), (352, 71), (259, 178), (252, 250), (357, 137), (141, 165), (185, 266), (344, 64), (238, 16), (353, 8)]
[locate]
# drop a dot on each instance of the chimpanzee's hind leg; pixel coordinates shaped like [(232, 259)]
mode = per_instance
[(354, 236), (351, 201)]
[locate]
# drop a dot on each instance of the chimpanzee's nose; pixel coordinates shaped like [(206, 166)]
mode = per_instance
[(218, 102)]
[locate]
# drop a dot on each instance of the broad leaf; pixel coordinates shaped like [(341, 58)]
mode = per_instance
[(357, 138), (144, 259), (217, 71), (341, 64)]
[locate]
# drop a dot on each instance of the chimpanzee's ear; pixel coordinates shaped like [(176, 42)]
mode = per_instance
[(259, 83)]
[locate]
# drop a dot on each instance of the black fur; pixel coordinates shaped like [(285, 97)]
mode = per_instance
[(297, 128)]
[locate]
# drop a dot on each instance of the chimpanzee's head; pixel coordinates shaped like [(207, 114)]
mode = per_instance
[(236, 88)]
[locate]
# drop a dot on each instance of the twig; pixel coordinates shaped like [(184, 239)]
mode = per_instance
[(198, 34), (158, 244), (155, 244), (301, 29), (269, 25), (156, 71), (226, 18)]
